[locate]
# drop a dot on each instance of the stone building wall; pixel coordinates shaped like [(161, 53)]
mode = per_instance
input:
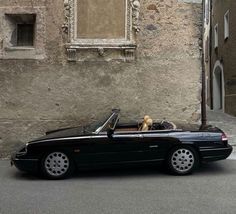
[(45, 91), (225, 54)]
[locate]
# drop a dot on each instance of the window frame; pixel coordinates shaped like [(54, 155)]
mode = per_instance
[(226, 25), (216, 36), (9, 49), (74, 39), (207, 11), (74, 43)]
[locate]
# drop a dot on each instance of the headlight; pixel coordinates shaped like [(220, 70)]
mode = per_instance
[(22, 150)]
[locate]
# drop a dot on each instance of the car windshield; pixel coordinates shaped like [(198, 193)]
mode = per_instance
[(101, 125)]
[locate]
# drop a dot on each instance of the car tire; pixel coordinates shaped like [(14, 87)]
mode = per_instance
[(182, 160), (57, 165)]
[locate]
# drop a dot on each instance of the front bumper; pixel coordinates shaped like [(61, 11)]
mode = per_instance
[(24, 164), (214, 154)]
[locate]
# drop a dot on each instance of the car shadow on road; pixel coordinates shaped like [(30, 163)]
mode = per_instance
[(206, 169), (100, 172), (121, 172)]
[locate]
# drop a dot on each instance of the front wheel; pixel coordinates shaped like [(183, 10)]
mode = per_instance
[(56, 165), (182, 160)]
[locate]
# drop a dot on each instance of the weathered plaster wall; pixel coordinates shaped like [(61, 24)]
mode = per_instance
[(226, 52), (164, 81)]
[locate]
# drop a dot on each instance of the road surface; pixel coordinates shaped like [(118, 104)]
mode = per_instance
[(211, 189)]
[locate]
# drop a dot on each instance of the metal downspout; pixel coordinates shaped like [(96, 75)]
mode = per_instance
[(203, 103)]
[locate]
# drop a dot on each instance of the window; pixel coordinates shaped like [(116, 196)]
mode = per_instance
[(104, 19), (23, 26), (25, 35), (216, 36), (226, 25), (24, 32), (99, 27)]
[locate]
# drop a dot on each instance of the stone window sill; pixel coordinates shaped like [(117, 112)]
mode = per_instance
[(21, 52), (19, 48)]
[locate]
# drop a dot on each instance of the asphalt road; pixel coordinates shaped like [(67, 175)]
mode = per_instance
[(212, 189)]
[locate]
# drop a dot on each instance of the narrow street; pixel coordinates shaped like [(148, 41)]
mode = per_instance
[(211, 189)]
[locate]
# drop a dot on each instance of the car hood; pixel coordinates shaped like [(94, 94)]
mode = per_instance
[(63, 133)]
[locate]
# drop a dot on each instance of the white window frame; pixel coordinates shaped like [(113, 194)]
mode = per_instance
[(206, 49), (207, 11), (75, 44), (216, 36), (226, 25)]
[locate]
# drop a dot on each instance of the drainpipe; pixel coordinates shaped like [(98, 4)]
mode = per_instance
[(203, 103), (210, 58)]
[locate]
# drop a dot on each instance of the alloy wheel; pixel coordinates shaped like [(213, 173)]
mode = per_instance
[(56, 164), (182, 160)]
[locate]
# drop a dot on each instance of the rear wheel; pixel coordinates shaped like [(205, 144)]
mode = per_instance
[(57, 165), (182, 160)]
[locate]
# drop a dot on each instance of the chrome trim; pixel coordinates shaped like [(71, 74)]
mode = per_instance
[(151, 133), (103, 135), (205, 147), (213, 157), (158, 131), (98, 136), (216, 149), (124, 136), (17, 159), (67, 138)]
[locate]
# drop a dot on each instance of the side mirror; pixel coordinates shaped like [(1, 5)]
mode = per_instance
[(110, 132)]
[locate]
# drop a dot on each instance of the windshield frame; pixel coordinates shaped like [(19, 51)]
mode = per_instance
[(114, 115)]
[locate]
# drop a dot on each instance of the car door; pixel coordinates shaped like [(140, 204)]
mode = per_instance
[(129, 146), (157, 144), (123, 147), (141, 146), (120, 147)]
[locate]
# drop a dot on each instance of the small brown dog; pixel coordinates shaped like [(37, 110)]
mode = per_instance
[(147, 123)]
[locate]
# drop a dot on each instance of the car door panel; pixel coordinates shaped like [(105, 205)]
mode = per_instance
[(158, 144), (129, 146), (119, 148), (123, 147)]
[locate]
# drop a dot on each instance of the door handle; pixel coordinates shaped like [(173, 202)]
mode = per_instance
[(154, 146)]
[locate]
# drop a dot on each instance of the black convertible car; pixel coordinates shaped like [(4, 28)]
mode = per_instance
[(109, 143)]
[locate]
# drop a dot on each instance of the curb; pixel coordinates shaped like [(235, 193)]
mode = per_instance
[(234, 148)]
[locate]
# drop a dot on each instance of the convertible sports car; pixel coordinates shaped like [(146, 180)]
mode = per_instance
[(109, 143)]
